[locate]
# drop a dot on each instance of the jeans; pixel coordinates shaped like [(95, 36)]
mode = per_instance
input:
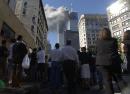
[(107, 79), (55, 75)]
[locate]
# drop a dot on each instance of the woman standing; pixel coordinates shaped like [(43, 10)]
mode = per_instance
[(107, 51), (126, 41)]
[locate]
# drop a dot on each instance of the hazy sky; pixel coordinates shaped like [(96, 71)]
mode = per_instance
[(80, 6)]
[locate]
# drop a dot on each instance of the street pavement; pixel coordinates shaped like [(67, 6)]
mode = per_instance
[(44, 88)]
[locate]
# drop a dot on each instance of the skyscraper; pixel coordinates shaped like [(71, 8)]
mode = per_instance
[(119, 17), (73, 21)]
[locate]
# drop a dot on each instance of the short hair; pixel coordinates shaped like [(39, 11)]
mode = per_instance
[(40, 48), (83, 49), (57, 45), (34, 49), (126, 35), (68, 42), (105, 34), (20, 37)]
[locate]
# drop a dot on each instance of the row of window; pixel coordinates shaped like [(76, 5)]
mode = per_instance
[(123, 17), (115, 27), (120, 12), (125, 23), (117, 33)]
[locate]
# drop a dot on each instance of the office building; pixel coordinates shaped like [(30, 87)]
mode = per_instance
[(32, 16), (89, 26), (11, 27), (119, 17)]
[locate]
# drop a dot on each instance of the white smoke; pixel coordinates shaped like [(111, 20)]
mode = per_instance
[(56, 16)]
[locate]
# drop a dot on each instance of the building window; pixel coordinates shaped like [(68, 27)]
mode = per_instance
[(33, 20), (8, 2), (115, 27), (7, 32), (125, 23), (32, 28), (25, 8)]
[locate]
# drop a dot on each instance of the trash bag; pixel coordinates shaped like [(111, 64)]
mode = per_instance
[(26, 62)]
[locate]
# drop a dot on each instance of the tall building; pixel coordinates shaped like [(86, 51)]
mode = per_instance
[(89, 26), (73, 21), (10, 26), (119, 17), (32, 16), (74, 37)]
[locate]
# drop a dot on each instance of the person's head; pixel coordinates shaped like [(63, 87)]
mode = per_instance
[(68, 42), (3, 42), (57, 45), (20, 38), (34, 49), (105, 34), (40, 48), (126, 35), (83, 49), (13, 40)]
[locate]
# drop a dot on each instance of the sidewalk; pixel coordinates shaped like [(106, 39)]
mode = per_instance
[(34, 88)]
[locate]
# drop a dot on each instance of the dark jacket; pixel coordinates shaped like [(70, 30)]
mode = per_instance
[(107, 51), (19, 52), (84, 58)]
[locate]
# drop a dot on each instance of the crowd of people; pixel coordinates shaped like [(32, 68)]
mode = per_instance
[(66, 67)]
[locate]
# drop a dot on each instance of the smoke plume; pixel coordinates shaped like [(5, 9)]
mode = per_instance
[(56, 16)]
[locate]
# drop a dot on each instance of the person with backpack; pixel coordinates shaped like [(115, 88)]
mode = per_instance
[(19, 52)]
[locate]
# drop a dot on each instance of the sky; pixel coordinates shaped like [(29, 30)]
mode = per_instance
[(80, 6)]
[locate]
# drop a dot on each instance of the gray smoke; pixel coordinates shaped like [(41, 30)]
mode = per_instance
[(56, 16)]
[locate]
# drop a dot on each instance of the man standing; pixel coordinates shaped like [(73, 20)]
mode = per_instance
[(41, 64), (55, 77), (70, 58), (3, 59), (10, 61), (19, 52)]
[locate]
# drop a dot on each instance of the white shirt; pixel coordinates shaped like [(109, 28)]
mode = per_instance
[(41, 56), (11, 51), (56, 55), (69, 53)]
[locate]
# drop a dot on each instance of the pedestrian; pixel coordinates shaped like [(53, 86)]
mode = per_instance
[(70, 64), (10, 61), (33, 65), (126, 42), (41, 69), (85, 68), (3, 60), (19, 52), (55, 73), (107, 51)]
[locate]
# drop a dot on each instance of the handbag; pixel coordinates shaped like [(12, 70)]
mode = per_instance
[(26, 62)]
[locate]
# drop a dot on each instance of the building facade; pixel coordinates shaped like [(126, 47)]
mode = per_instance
[(74, 37), (32, 16), (119, 17), (73, 21), (10, 26), (89, 26)]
